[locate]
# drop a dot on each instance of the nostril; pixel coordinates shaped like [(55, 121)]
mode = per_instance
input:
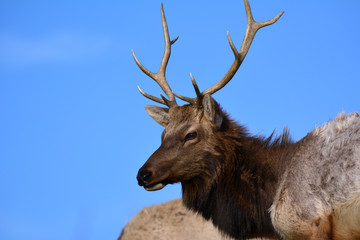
[(146, 175), (143, 177)]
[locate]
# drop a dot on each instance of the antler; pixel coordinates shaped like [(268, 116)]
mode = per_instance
[(159, 77), (251, 29)]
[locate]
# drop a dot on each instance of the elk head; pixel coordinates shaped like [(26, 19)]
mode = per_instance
[(191, 130)]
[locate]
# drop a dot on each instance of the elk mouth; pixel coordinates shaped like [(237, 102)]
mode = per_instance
[(155, 187)]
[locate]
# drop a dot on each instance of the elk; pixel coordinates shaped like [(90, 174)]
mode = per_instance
[(250, 186), (169, 220)]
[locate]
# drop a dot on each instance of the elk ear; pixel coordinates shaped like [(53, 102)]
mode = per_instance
[(159, 114), (211, 110)]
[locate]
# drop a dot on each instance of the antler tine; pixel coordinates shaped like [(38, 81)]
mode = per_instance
[(159, 77), (251, 29), (156, 99), (196, 102), (197, 91)]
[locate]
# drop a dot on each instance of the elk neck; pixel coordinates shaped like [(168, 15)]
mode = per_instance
[(240, 184)]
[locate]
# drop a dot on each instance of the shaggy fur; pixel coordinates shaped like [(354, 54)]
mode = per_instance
[(240, 188), (320, 183)]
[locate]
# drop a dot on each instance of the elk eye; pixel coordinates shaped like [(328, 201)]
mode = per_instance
[(190, 136)]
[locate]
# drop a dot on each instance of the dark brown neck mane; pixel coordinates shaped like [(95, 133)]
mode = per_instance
[(238, 187)]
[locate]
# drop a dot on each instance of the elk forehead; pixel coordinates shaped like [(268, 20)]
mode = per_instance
[(183, 116), (184, 113)]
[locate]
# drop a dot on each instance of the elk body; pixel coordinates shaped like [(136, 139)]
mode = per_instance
[(250, 186)]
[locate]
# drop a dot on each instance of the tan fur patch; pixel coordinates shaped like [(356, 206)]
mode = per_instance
[(287, 220), (346, 219)]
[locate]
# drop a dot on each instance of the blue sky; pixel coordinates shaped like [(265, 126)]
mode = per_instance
[(73, 130)]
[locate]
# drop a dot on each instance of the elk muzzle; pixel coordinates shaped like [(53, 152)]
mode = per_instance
[(145, 179)]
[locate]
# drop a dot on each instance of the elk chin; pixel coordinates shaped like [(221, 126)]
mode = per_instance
[(155, 187)]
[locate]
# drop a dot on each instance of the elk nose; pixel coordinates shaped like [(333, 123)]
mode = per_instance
[(143, 177)]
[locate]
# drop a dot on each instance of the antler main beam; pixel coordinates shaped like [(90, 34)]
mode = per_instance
[(251, 28), (159, 77)]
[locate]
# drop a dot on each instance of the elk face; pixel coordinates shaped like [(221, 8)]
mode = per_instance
[(185, 143)]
